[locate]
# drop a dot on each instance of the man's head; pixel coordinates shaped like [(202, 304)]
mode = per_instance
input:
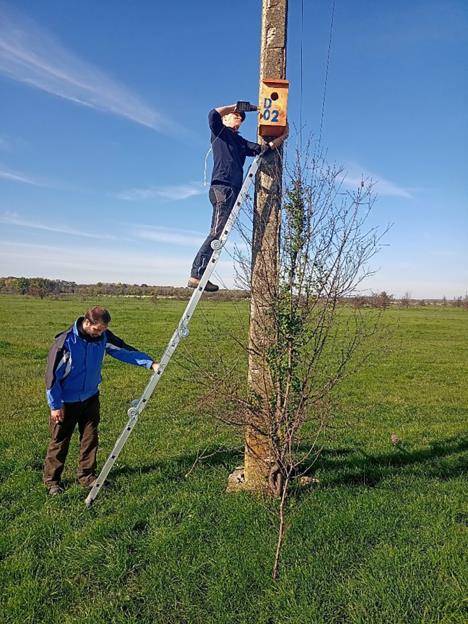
[(95, 321), (233, 120)]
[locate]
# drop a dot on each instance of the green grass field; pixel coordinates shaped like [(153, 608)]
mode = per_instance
[(382, 539)]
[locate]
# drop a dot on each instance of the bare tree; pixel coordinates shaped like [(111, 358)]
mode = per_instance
[(406, 300), (325, 249), (381, 300)]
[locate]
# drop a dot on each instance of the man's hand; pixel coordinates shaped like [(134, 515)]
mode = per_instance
[(280, 140), (245, 107), (155, 366), (57, 415)]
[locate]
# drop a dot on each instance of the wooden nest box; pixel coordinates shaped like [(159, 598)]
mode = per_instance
[(273, 107)]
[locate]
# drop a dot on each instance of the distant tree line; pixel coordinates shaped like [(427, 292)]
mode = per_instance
[(42, 287), (384, 300)]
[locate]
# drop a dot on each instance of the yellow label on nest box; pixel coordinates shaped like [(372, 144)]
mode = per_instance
[(273, 107)]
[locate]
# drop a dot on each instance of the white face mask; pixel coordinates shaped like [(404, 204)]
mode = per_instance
[(233, 121)]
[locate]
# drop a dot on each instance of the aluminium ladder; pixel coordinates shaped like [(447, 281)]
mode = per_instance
[(182, 331)]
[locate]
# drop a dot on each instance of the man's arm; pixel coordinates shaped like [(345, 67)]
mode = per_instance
[(58, 367), (279, 140), (215, 118), (119, 350), (253, 149), (239, 107), (225, 110), (216, 114)]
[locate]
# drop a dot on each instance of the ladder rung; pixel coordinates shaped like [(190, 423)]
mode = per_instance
[(175, 339)]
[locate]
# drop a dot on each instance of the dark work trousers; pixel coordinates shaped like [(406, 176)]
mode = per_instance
[(223, 199), (86, 414)]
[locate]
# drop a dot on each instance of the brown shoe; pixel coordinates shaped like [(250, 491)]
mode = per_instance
[(209, 287)]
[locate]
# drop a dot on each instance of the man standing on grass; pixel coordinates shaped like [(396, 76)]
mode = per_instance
[(72, 381), (230, 150)]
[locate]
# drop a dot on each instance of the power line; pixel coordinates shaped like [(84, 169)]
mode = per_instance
[(301, 74), (330, 39)]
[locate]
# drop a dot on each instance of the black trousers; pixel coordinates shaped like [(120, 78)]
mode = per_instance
[(86, 415), (222, 198)]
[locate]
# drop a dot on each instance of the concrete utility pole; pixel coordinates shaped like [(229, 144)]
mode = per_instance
[(265, 250)]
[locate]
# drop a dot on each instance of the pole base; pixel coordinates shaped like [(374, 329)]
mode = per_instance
[(238, 483)]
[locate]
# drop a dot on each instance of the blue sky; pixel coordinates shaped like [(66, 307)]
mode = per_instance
[(103, 130)]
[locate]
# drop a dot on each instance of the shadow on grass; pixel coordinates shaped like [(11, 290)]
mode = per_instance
[(177, 467), (338, 467), (362, 468)]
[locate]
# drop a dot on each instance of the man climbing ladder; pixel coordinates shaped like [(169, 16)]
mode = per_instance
[(229, 153), (212, 256)]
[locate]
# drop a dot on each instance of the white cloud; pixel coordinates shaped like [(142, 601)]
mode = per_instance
[(90, 264), (176, 192), (30, 55), (18, 176), (169, 236), (355, 174), (84, 264), (12, 218), (153, 233)]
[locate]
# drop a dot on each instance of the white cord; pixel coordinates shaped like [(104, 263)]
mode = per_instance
[(205, 180)]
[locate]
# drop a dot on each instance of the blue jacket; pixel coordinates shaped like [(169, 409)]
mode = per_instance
[(75, 361), (229, 152)]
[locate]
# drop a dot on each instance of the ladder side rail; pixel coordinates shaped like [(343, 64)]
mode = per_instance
[(110, 461), (180, 332), (133, 414)]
